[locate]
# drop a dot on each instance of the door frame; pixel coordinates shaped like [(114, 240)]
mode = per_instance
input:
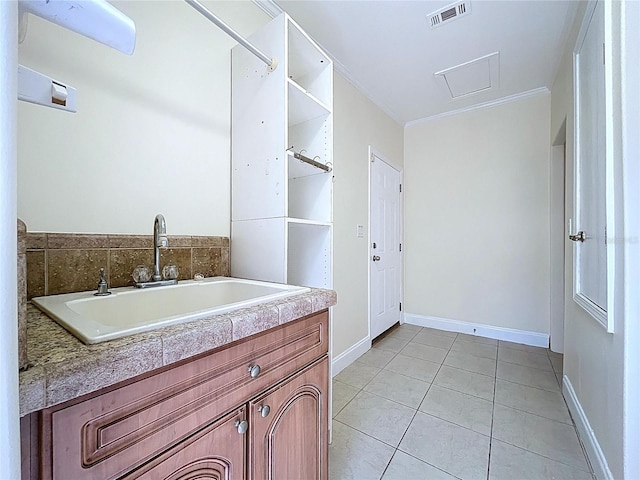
[(371, 152), (558, 240)]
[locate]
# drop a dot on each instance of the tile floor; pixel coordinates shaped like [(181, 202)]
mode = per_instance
[(430, 404)]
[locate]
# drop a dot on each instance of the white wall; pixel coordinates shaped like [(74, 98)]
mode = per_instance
[(152, 132), (594, 360), (9, 407), (477, 216), (358, 123)]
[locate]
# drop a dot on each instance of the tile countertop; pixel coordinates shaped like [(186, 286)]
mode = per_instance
[(63, 368)]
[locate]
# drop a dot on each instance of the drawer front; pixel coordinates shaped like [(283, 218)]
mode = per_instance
[(112, 433)]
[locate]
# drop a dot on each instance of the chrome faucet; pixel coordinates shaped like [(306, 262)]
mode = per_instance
[(160, 240)]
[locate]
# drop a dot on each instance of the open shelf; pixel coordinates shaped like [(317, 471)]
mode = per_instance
[(304, 221), (308, 66), (304, 106), (310, 198), (309, 255)]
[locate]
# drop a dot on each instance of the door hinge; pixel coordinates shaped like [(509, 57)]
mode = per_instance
[(400, 188), (400, 306), (400, 247), (373, 158)]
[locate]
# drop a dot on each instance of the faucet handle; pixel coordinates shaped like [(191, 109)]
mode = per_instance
[(103, 286)]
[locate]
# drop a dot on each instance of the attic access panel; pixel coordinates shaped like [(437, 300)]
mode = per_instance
[(470, 77)]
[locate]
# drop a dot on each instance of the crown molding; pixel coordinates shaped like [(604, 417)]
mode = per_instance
[(491, 103), (269, 7)]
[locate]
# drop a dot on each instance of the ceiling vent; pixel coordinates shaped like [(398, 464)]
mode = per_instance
[(449, 13)]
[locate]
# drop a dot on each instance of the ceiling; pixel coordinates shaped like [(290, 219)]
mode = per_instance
[(389, 51)]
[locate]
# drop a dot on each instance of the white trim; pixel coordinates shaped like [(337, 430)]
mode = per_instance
[(535, 339), (590, 307), (557, 244), (605, 317), (269, 7), (491, 103), (586, 433), (350, 355), (630, 185)]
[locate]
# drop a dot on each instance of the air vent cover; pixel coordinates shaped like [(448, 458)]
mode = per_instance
[(449, 13)]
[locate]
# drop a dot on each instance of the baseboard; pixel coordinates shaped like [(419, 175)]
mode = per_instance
[(586, 433), (350, 355), (499, 333)]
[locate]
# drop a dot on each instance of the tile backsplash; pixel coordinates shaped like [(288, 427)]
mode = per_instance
[(70, 262)]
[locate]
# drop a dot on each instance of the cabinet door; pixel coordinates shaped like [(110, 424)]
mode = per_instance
[(289, 428), (218, 451)]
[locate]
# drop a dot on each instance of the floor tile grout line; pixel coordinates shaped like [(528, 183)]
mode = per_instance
[(527, 385), (545, 354), (370, 436), (420, 460), (535, 453), (493, 412), (415, 410), (548, 458), (535, 414), (494, 403), (528, 366), (530, 386), (418, 409)]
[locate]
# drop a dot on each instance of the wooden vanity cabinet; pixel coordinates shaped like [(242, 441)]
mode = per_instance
[(204, 417)]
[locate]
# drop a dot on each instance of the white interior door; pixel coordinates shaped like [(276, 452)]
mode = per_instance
[(384, 249)]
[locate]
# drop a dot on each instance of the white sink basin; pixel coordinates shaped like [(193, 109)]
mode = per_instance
[(130, 310)]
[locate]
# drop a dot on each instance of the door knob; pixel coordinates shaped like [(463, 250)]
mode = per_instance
[(578, 237), (376, 258)]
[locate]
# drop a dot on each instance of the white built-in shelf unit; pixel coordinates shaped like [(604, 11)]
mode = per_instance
[(281, 215)]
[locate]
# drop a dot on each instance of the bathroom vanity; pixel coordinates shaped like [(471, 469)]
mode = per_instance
[(253, 407)]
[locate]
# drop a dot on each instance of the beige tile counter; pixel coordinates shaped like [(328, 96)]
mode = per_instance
[(63, 368)]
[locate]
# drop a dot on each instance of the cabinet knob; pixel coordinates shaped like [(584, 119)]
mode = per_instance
[(264, 410), (254, 370), (242, 426)]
